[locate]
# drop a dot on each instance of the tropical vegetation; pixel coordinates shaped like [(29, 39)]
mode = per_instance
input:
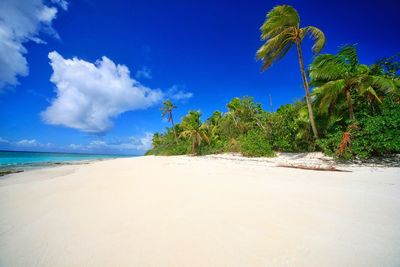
[(353, 110), (280, 31)]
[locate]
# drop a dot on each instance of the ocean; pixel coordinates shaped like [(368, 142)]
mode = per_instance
[(21, 160)]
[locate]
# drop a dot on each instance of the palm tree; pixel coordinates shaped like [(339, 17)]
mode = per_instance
[(167, 111), (213, 125), (194, 129), (337, 77), (280, 31)]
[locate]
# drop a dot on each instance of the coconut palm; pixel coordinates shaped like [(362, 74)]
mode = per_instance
[(193, 129), (338, 77), (280, 31), (213, 125), (167, 111)]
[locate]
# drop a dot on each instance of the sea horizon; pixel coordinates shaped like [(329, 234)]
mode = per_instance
[(22, 160)]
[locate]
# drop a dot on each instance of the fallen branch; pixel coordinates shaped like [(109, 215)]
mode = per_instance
[(6, 172), (312, 168)]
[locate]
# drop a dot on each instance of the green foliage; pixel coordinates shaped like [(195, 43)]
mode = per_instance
[(388, 67), (281, 31), (285, 127), (341, 78), (379, 135), (358, 106), (166, 109), (193, 129), (245, 127), (370, 136), (232, 145), (330, 143), (255, 143)]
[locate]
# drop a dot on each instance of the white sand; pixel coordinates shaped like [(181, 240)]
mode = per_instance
[(199, 211)]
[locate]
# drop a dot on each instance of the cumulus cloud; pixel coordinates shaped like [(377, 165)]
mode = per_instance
[(28, 143), (62, 3), (22, 21), (4, 141), (174, 93), (90, 95), (134, 144), (144, 72)]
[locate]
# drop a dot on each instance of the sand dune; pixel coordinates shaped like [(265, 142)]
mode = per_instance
[(199, 211)]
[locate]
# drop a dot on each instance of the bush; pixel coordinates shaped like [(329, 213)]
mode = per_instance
[(182, 147), (255, 144), (330, 143), (214, 147), (232, 146), (379, 135), (290, 131), (370, 136)]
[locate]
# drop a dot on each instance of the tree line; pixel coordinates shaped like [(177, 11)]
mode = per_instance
[(352, 111)]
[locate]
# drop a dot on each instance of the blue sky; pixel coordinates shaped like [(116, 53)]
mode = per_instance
[(199, 53)]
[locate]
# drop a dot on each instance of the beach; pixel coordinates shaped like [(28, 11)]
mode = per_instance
[(200, 211)]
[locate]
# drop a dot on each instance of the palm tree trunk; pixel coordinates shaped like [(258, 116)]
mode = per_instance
[(350, 104), (307, 89), (173, 125), (193, 145)]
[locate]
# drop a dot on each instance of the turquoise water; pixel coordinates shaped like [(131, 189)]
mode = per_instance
[(18, 159)]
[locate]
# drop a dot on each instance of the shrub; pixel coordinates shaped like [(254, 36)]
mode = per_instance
[(215, 147), (232, 146), (370, 136), (255, 144)]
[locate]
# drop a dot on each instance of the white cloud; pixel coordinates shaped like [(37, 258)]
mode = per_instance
[(22, 21), (74, 146), (174, 93), (142, 143), (144, 72), (28, 143), (135, 144), (90, 95), (62, 3), (2, 140)]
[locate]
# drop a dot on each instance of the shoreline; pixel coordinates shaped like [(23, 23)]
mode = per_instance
[(282, 159), (6, 170)]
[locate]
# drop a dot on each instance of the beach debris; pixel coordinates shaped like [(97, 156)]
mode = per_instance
[(312, 168), (9, 171)]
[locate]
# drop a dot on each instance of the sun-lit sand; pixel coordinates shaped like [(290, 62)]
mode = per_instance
[(199, 211)]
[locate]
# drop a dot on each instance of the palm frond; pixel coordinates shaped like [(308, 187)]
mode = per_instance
[(385, 84), (275, 48), (278, 19), (328, 94), (317, 35), (327, 67), (370, 91), (349, 53)]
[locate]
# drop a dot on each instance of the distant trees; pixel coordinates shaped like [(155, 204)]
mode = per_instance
[(280, 31), (193, 129)]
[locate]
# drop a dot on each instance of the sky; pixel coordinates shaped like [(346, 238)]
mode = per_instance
[(90, 76)]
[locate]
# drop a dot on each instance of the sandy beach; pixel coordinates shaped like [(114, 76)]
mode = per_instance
[(199, 211)]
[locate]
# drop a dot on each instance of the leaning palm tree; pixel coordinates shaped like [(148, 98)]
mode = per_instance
[(280, 31), (338, 77), (193, 129), (167, 111)]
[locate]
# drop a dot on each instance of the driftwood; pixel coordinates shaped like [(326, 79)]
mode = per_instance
[(5, 172), (312, 168)]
